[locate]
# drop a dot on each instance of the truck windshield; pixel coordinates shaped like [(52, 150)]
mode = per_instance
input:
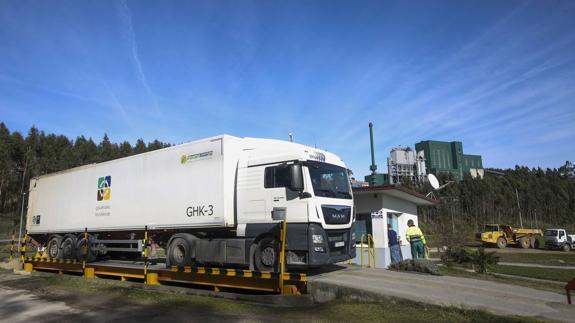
[(329, 180), (491, 228), (551, 233)]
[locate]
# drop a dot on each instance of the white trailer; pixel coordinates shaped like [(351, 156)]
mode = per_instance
[(208, 201)]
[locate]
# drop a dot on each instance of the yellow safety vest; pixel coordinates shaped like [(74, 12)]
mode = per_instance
[(414, 234)]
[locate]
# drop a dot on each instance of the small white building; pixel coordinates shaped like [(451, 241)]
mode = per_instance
[(375, 207)]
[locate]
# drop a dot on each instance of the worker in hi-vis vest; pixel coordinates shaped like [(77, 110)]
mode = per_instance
[(416, 239)]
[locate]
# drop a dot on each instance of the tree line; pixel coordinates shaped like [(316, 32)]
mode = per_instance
[(546, 199), (546, 196), (37, 153)]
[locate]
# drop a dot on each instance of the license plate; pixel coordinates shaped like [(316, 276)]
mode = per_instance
[(339, 244)]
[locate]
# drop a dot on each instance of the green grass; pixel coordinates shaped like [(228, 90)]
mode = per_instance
[(505, 280), (336, 311), (554, 259), (561, 275)]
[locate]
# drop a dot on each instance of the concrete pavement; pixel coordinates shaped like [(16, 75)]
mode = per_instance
[(497, 298)]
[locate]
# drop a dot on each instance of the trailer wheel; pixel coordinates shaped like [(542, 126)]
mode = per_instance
[(83, 252), (501, 243), (524, 243), (53, 247), (566, 247), (179, 253), (266, 254), (69, 247)]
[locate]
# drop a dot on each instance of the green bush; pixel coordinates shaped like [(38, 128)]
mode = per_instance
[(482, 261), (455, 255)]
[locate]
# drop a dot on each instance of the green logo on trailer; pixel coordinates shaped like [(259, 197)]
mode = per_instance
[(104, 188)]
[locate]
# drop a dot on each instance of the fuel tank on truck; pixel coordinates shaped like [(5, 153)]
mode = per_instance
[(188, 185)]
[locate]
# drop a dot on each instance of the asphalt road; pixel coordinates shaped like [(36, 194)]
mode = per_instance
[(497, 298)]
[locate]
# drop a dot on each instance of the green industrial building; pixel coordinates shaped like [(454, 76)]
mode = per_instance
[(448, 157)]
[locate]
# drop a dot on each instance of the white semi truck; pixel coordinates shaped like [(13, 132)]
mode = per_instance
[(211, 201)]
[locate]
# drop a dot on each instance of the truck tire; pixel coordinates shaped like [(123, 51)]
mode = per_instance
[(266, 254), (534, 243), (82, 253), (566, 247), (501, 243), (69, 247), (179, 253), (524, 243), (54, 247)]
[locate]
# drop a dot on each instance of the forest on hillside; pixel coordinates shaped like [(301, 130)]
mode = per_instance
[(546, 199), (546, 196)]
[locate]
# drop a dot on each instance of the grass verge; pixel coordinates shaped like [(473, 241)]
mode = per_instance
[(505, 280), (561, 275), (553, 259)]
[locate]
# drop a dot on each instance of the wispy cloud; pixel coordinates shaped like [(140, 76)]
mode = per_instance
[(125, 15)]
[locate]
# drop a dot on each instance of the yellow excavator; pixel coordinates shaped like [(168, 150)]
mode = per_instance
[(503, 235)]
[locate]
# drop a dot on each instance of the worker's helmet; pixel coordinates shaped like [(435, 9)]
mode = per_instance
[(410, 223)]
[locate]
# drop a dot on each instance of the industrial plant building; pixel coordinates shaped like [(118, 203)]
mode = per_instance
[(405, 164), (448, 158)]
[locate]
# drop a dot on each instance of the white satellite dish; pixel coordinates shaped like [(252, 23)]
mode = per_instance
[(433, 181)]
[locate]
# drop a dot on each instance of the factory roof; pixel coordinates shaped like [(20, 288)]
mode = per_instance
[(398, 192)]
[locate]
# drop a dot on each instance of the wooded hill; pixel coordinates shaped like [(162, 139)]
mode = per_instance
[(546, 197)]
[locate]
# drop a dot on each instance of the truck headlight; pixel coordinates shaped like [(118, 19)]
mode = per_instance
[(318, 249), (317, 238), (353, 236)]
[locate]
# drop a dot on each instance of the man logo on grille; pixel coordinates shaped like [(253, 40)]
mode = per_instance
[(104, 188)]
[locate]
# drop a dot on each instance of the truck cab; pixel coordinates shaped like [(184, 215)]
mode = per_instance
[(311, 186), (559, 239)]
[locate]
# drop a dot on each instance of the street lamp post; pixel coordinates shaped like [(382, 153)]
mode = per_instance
[(21, 218)]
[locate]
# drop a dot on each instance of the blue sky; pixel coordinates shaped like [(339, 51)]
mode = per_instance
[(497, 75)]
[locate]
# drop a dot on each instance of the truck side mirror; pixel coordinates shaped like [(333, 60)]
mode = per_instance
[(296, 177)]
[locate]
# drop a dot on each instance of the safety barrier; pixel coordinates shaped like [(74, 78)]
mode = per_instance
[(218, 278), (370, 251)]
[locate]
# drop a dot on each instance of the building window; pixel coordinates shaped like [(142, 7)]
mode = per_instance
[(362, 227)]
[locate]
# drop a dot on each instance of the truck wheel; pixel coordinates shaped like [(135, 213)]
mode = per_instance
[(266, 255), (179, 253), (69, 247), (501, 243), (534, 243), (524, 243), (566, 248), (83, 252), (53, 247)]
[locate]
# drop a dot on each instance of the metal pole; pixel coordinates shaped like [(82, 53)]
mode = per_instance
[(85, 252), (373, 166), (21, 217), (12, 247), (145, 254), (282, 256)]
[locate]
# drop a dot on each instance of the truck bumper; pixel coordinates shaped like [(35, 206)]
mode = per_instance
[(337, 246), (301, 251)]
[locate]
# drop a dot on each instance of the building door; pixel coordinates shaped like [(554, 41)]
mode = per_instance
[(392, 219)]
